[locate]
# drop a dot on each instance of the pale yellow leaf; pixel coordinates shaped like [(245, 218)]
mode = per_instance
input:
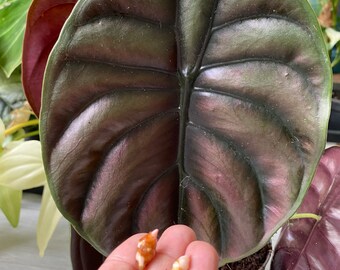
[(334, 37), (21, 166), (49, 217), (10, 204)]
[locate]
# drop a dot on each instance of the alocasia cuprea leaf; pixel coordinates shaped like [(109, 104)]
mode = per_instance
[(44, 21), (83, 255), (207, 113), (308, 243)]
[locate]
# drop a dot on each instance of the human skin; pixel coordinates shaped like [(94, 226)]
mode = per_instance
[(176, 241)]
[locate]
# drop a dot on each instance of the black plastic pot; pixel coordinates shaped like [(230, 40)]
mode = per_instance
[(257, 261)]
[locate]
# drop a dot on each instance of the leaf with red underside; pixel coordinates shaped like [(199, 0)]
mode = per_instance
[(202, 112), (44, 22), (309, 244), (83, 255)]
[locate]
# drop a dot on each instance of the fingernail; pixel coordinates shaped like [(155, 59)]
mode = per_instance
[(182, 263), (154, 233), (146, 249)]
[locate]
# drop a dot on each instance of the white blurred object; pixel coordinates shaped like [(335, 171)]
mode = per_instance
[(18, 247)]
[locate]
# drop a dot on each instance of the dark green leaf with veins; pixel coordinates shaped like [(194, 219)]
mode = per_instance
[(207, 113)]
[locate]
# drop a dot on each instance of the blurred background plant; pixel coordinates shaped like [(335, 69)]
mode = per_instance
[(21, 165), (328, 16)]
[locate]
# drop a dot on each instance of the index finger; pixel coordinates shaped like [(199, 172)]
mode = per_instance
[(124, 256)]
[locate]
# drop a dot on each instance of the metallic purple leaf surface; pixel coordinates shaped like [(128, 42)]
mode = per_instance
[(309, 244), (207, 113)]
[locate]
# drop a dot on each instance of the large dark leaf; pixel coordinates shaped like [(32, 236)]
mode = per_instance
[(207, 113), (44, 21), (309, 244), (83, 256)]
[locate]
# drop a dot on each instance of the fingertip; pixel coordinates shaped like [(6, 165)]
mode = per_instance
[(177, 238), (180, 229), (203, 256), (123, 257), (171, 245)]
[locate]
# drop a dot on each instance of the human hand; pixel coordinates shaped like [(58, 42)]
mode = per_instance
[(176, 241)]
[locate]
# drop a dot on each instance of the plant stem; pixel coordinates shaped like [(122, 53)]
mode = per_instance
[(15, 128), (27, 135), (334, 12), (306, 215)]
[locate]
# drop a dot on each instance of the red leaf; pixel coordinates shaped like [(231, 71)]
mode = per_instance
[(44, 22), (307, 243)]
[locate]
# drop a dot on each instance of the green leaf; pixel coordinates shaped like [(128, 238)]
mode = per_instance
[(21, 166), (12, 27), (49, 217), (12, 82), (317, 5), (336, 60), (10, 204), (207, 113)]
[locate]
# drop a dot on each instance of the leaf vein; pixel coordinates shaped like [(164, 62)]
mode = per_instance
[(260, 16)]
